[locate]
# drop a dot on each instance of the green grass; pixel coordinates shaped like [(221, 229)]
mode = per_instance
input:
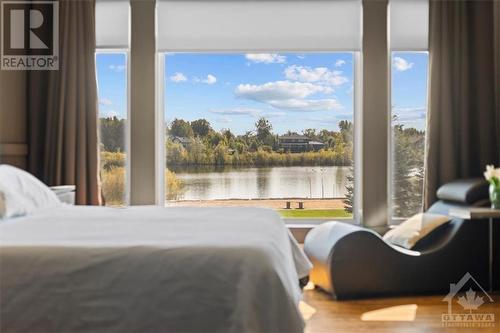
[(314, 213)]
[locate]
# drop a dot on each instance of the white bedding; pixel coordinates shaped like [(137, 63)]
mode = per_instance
[(150, 269)]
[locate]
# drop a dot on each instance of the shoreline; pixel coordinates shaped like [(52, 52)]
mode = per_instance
[(309, 204)]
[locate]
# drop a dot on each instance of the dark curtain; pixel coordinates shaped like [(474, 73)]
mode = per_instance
[(462, 126), (62, 108)]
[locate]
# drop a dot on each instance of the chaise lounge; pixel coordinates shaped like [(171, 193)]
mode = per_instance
[(354, 262)]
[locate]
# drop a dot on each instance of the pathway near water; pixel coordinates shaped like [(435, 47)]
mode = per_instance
[(268, 203)]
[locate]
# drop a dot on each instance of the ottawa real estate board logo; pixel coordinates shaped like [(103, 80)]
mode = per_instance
[(30, 35), (469, 294)]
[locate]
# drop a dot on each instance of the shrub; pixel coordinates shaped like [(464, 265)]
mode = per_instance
[(111, 160), (174, 186), (113, 186)]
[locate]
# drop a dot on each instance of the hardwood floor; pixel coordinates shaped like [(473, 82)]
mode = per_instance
[(411, 314)]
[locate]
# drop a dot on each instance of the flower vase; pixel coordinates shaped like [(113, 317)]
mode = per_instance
[(495, 196)]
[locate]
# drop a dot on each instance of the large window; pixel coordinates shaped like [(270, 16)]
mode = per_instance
[(268, 130), (112, 91), (409, 110)]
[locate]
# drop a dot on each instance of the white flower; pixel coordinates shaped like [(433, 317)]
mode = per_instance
[(491, 172)]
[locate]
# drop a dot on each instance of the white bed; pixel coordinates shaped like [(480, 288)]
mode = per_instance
[(150, 269)]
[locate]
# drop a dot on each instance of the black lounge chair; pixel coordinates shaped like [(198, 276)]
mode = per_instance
[(354, 262)]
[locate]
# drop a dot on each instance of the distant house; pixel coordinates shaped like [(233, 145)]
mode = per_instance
[(182, 140), (296, 143)]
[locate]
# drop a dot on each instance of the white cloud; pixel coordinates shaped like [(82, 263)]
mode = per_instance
[(274, 114), (223, 120), (339, 63), (332, 120), (266, 58), (288, 95), (307, 104), (236, 111), (105, 102), (279, 90), (401, 64), (405, 114), (317, 75), (210, 79), (110, 114), (117, 68), (178, 77)]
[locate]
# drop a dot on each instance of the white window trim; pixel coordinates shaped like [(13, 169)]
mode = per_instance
[(125, 52), (357, 135), (397, 220)]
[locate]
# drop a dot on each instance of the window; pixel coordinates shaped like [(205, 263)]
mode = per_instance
[(270, 130), (111, 70), (409, 110)]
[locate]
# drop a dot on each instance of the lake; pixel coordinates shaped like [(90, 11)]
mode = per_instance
[(209, 183)]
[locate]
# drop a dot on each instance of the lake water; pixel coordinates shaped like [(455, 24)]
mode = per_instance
[(263, 183)]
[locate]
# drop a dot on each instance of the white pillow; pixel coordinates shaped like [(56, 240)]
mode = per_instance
[(22, 193), (408, 233)]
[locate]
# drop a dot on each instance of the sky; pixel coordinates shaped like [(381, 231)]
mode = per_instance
[(294, 91)]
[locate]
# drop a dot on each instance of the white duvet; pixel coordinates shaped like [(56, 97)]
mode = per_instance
[(150, 269)]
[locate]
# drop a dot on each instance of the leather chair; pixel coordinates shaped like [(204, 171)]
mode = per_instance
[(354, 262)]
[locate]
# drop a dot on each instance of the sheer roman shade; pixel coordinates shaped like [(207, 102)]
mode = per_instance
[(112, 19), (259, 25), (409, 25)]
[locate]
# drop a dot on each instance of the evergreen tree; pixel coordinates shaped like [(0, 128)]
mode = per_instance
[(349, 195), (112, 134)]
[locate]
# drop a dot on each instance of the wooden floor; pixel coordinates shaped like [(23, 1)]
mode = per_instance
[(411, 314)]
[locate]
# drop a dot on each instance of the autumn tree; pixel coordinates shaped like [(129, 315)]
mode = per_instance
[(201, 127), (181, 128)]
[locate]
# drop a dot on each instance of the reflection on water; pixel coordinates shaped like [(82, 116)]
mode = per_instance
[(209, 183)]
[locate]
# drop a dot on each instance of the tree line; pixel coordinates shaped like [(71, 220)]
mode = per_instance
[(260, 147)]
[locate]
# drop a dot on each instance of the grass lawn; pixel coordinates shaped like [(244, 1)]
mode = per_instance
[(314, 213)]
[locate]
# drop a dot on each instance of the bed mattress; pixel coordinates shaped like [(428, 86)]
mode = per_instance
[(150, 269)]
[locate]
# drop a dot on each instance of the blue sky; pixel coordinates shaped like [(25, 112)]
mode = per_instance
[(409, 88), (295, 91)]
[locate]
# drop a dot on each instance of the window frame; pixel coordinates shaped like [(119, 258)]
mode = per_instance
[(126, 53), (357, 109), (390, 167)]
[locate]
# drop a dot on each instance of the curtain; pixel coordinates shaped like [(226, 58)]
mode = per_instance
[(62, 108), (496, 37), (462, 130)]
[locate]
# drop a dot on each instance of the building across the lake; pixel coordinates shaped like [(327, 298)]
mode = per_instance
[(297, 143), (182, 140)]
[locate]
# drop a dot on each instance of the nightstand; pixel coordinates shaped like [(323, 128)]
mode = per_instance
[(65, 193), (476, 213)]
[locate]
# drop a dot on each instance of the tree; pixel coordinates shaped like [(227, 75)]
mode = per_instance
[(176, 154), (228, 136), (181, 128), (346, 130), (220, 154), (349, 195), (196, 152), (310, 133), (214, 138), (408, 171), (113, 134), (201, 127), (264, 129)]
